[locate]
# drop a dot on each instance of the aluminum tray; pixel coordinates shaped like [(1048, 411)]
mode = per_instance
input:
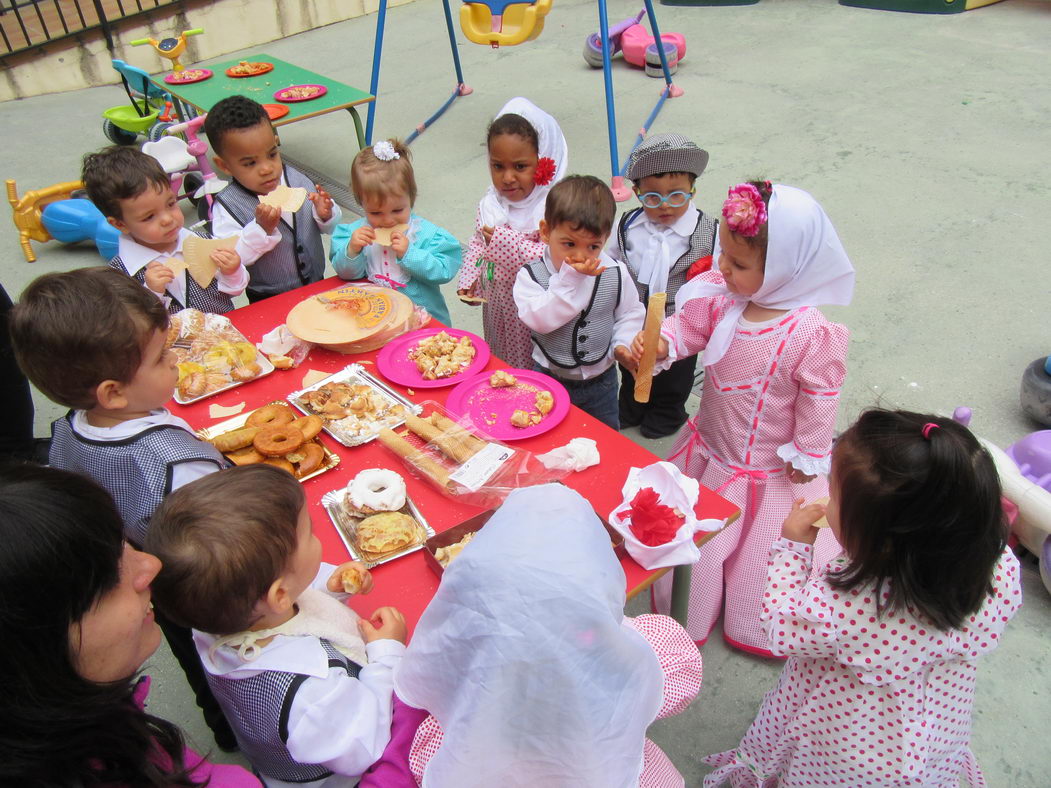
[(346, 527)]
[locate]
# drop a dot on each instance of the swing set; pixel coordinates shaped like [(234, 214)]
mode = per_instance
[(508, 23)]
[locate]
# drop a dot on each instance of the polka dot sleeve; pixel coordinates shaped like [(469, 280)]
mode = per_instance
[(472, 255), (679, 658), (513, 245), (796, 615)]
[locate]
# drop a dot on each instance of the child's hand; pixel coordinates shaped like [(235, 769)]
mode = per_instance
[(796, 476), (359, 239), (469, 295), (637, 347), (356, 572), (267, 217), (624, 358), (322, 203), (587, 267), (386, 624), (399, 242), (158, 276), (799, 525), (226, 260), (487, 233)]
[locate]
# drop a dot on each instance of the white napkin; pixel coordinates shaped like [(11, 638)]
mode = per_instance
[(282, 342), (675, 490), (578, 454)]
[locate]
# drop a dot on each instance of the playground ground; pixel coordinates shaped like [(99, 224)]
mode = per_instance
[(924, 137)]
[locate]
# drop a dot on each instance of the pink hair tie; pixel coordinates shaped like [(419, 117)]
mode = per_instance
[(930, 425), (744, 210)]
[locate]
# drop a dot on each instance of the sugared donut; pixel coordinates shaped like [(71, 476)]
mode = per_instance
[(277, 441), (377, 490), (313, 454), (274, 415)]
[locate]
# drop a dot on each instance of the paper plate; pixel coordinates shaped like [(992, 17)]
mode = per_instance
[(188, 76), (276, 111), (394, 362), (288, 95), (490, 409)]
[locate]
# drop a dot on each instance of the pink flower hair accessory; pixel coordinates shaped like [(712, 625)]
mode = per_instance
[(744, 210), (544, 172)]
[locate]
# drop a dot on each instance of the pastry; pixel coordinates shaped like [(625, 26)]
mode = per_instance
[(446, 554), (273, 415), (386, 532), (439, 355), (353, 578), (375, 490), (277, 441), (525, 418), (237, 439), (502, 379), (545, 401)]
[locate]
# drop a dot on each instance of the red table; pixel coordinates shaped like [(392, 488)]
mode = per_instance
[(407, 583)]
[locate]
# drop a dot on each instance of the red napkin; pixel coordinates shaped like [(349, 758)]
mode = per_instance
[(652, 522)]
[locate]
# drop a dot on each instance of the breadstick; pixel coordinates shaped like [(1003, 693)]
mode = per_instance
[(454, 430), (450, 447), (651, 335), (406, 450)]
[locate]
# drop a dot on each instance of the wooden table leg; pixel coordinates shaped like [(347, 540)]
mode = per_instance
[(357, 126), (680, 593)]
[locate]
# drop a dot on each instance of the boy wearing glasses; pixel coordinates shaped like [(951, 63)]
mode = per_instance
[(658, 243)]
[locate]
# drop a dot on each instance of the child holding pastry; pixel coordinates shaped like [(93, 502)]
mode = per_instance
[(392, 246), (532, 673), (774, 366), (306, 684), (580, 304), (111, 366), (527, 154), (281, 245), (133, 192), (882, 643)]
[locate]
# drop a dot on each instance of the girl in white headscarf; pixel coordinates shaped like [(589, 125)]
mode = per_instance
[(531, 671), (774, 367), (527, 155)]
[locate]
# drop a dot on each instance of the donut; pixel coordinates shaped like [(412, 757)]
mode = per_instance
[(246, 456), (274, 415), (377, 490), (277, 441), (310, 426), (282, 463), (313, 454)]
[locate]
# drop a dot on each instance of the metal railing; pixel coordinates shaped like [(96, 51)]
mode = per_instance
[(25, 24)]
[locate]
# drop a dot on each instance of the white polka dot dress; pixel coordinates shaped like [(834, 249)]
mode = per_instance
[(681, 663), (864, 699), (494, 267), (773, 396)]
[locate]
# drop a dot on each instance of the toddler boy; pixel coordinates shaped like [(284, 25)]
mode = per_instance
[(659, 243), (134, 194), (580, 304), (282, 249), (307, 685)]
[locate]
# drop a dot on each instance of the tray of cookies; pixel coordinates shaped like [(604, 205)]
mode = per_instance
[(375, 517), (212, 355), (354, 405), (276, 435)]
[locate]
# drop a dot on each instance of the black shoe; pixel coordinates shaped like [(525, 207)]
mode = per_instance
[(659, 432), (225, 740), (627, 421)]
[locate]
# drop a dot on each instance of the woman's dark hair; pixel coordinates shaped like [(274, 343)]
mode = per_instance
[(63, 543), (920, 514), (513, 124)]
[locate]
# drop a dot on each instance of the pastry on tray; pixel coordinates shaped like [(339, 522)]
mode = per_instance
[(386, 532)]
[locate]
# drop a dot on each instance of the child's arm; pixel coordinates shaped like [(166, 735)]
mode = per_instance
[(434, 256), (543, 310), (253, 241), (679, 659), (231, 276), (470, 271), (326, 213), (628, 319), (509, 243), (346, 265)]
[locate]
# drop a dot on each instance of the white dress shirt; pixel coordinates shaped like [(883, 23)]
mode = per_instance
[(656, 247)]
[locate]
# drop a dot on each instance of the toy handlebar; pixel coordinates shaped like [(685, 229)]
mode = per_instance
[(193, 124), (140, 41)]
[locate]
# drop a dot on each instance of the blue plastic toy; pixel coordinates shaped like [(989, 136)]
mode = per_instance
[(75, 220)]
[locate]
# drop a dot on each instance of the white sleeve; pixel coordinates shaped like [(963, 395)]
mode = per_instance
[(343, 723), (543, 310), (326, 228), (630, 316), (186, 472), (252, 242), (233, 284)]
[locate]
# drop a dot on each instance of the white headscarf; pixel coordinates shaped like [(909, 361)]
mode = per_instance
[(524, 658), (524, 216), (806, 265)]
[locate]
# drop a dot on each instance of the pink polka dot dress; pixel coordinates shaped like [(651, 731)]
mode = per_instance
[(864, 699), (771, 398), (681, 664), (494, 267)]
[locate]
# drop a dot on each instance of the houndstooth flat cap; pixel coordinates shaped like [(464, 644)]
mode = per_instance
[(666, 153)]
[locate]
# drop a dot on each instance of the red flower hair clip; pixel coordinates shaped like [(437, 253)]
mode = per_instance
[(544, 172)]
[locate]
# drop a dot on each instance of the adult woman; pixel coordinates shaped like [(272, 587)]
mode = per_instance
[(76, 623)]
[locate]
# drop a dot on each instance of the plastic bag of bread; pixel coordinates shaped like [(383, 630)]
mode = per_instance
[(212, 355), (284, 349), (460, 462)]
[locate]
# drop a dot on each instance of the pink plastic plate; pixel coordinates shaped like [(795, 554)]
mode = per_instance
[(394, 362), (490, 409), (288, 95), (188, 76)]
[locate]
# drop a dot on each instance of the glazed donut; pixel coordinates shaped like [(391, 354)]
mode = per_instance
[(310, 426), (313, 454), (377, 490), (282, 463), (277, 441), (274, 415)]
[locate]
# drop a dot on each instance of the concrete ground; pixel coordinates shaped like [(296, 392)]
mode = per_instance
[(923, 136)]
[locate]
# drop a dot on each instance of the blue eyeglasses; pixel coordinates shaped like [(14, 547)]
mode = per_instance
[(673, 200)]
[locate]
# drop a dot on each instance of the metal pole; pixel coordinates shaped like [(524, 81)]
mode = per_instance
[(377, 53)]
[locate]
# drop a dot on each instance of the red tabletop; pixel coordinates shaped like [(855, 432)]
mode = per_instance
[(407, 582)]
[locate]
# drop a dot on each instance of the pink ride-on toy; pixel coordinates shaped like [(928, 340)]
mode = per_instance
[(638, 47), (186, 161)]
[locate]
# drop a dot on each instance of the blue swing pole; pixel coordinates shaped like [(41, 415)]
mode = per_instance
[(620, 191), (377, 53), (460, 90)]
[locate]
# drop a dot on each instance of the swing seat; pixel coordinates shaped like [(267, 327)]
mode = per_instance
[(503, 22)]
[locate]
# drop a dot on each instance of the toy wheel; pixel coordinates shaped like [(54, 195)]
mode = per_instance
[(593, 51), (653, 59), (190, 184), (117, 135), (156, 132), (204, 213)]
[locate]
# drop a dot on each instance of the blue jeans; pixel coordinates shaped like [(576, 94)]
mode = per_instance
[(595, 396)]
